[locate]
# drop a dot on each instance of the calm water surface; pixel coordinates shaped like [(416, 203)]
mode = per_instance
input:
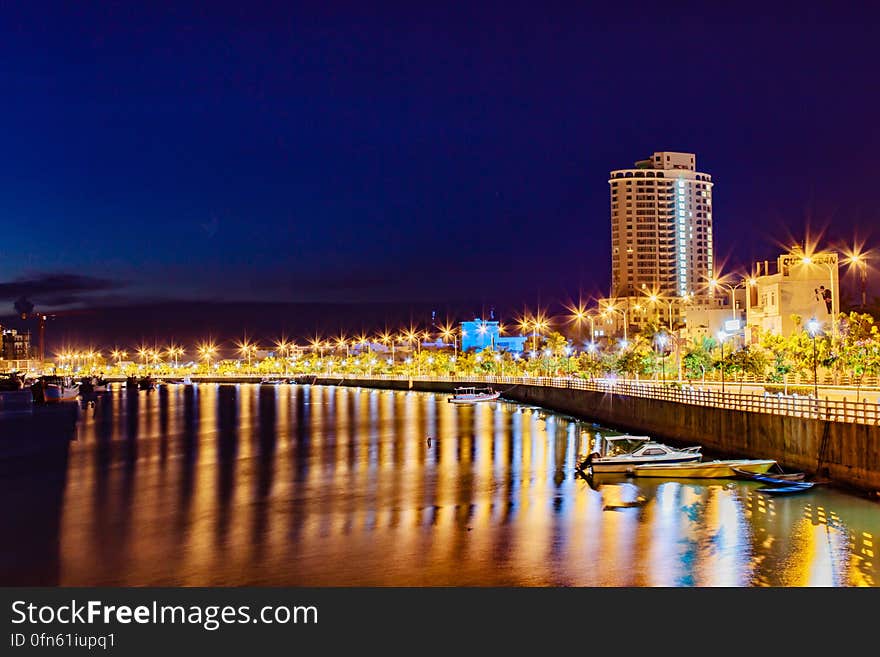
[(312, 485)]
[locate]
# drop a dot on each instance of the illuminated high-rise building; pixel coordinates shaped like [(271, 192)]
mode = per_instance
[(661, 228)]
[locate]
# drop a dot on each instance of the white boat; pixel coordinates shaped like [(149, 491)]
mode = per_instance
[(58, 389), (623, 453), (704, 470), (471, 395), (267, 381)]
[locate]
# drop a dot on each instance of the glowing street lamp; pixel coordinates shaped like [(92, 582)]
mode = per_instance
[(662, 339), (715, 282), (447, 332), (247, 349), (859, 259), (174, 352), (577, 315), (810, 260), (283, 347), (655, 299), (722, 336), (118, 355), (813, 328), (206, 351), (386, 338), (612, 309)]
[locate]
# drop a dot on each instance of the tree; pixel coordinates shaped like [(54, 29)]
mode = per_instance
[(556, 343), (698, 358), (637, 358)]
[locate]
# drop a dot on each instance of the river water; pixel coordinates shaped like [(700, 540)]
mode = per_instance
[(310, 485)]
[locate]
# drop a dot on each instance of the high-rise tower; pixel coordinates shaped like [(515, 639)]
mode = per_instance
[(661, 228)]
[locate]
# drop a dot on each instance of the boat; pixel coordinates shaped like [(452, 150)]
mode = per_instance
[(622, 453), (704, 470), (142, 383), (789, 489), (471, 395), (267, 381), (774, 478), (54, 389), (11, 381)]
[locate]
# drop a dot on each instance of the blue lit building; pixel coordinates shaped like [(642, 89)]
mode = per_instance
[(480, 334)]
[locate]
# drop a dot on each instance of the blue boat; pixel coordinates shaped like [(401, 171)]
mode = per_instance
[(792, 487)]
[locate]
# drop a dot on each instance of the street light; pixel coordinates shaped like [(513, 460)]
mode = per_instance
[(622, 311), (283, 347), (810, 260), (655, 298), (813, 327), (722, 336), (577, 315), (174, 352), (247, 349), (206, 352), (859, 259), (118, 356), (714, 282), (661, 342), (447, 332)]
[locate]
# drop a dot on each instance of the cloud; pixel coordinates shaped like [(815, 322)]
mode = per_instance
[(57, 289)]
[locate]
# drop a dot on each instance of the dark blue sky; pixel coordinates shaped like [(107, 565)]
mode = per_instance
[(335, 152)]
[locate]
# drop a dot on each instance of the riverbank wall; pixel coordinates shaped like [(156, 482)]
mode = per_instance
[(846, 453)]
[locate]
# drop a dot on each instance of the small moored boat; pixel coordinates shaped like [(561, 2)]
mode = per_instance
[(472, 395), (790, 488), (704, 470), (622, 453), (775, 478), (56, 389)]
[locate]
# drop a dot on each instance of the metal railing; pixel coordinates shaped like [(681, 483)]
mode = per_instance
[(793, 405)]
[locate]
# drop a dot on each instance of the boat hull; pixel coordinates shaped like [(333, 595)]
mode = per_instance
[(792, 488), (624, 467), (705, 470), (474, 399), (770, 479), (53, 394)]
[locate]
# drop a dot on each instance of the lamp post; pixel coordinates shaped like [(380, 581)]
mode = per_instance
[(810, 260), (716, 283), (661, 342), (655, 298), (722, 336), (863, 270), (448, 332), (858, 258), (813, 329), (622, 311)]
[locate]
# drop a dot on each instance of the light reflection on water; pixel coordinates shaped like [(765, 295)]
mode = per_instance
[(312, 485)]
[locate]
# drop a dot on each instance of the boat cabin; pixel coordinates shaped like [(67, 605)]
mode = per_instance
[(623, 444)]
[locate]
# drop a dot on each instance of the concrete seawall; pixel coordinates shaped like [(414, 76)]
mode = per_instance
[(846, 453)]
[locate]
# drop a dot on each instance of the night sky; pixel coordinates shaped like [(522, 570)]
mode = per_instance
[(240, 152)]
